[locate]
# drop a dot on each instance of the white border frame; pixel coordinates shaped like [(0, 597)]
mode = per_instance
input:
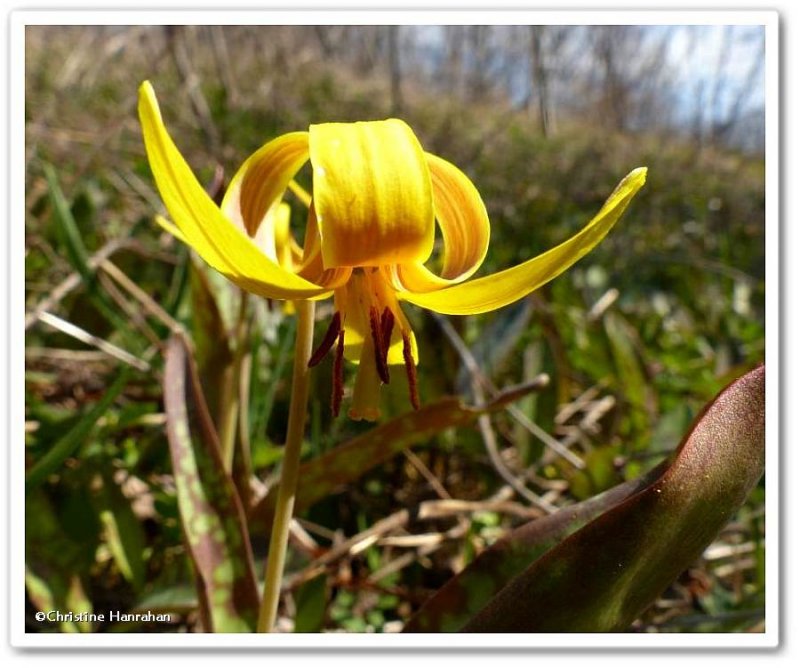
[(20, 19)]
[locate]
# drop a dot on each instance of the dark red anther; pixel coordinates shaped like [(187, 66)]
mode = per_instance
[(327, 341), (411, 371), (377, 343), (338, 376), (387, 325)]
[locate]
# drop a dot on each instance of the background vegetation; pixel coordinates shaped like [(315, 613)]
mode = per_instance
[(545, 120)]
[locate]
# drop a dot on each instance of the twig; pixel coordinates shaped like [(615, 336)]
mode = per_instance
[(577, 404), (602, 305), (74, 280), (134, 314), (191, 81), (472, 366), (144, 299), (554, 444), (425, 472), (426, 511), (66, 354), (484, 421), (92, 340)]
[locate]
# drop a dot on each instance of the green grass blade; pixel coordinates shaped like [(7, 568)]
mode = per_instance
[(122, 529), (54, 566), (72, 440), (76, 252)]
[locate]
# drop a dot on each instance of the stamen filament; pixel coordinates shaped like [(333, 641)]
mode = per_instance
[(338, 376)]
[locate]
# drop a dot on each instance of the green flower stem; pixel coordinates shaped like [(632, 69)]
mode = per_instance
[(287, 487)]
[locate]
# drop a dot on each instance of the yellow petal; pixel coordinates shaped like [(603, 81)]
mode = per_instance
[(264, 236), (504, 287), (310, 266), (372, 193), (267, 173), (290, 255), (169, 227), (202, 224), (464, 223), (300, 193)]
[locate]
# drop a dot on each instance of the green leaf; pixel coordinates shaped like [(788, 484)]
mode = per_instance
[(625, 347), (210, 509), (310, 600), (600, 578), (75, 437), (178, 599), (323, 475), (53, 566), (66, 226)]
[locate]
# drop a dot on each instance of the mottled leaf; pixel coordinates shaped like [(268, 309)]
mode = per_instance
[(211, 513), (213, 354), (601, 577), (323, 475), (464, 595)]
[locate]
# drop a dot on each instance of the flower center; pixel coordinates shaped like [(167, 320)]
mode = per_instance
[(368, 328)]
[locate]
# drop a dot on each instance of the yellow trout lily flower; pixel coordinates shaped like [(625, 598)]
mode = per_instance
[(376, 199)]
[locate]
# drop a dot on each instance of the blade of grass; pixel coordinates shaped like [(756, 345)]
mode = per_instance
[(72, 440), (123, 530), (76, 252)]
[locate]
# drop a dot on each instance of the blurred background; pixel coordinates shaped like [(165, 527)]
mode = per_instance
[(545, 120)]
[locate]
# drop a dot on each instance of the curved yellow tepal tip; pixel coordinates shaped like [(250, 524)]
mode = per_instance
[(497, 290), (200, 222), (631, 183)]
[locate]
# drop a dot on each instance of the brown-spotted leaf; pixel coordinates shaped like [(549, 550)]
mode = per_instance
[(323, 475), (601, 577), (213, 356), (211, 512), (463, 596)]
